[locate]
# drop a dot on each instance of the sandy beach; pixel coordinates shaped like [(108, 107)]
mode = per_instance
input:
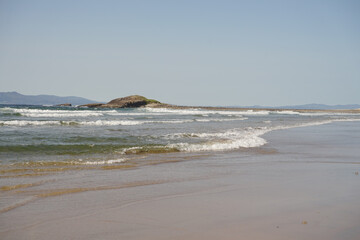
[(303, 184), (179, 120)]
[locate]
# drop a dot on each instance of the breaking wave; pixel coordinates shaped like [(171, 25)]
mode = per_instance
[(314, 113), (56, 113), (231, 139), (106, 122), (51, 113), (103, 162), (236, 138), (25, 123), (204, 112)]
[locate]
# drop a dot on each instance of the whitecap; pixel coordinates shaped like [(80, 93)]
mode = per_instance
[(25, 123), (236, 138), (196, 111), (59, 113), (104, 162), (289, 112), (220, 119)]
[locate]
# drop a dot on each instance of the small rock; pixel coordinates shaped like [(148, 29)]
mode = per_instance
[(133, 101)]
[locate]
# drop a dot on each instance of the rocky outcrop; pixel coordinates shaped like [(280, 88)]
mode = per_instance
[(133, 101)]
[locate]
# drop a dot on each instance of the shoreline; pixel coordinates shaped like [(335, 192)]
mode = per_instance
[(301, 186)]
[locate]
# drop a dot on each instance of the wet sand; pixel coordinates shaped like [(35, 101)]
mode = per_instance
[(303, 184)]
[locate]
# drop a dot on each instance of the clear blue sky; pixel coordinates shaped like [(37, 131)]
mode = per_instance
[(184, 52)]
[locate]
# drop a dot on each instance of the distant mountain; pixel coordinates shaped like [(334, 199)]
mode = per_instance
[(20, 99), (312, 106)]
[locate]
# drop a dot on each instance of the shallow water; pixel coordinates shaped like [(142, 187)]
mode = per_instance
[(48, 151), (305, 174), (70, 136)]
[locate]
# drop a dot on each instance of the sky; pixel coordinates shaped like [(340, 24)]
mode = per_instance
[(209, 53)]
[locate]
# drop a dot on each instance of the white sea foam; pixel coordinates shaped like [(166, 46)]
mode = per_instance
[(104, 162), (111, 123), (134, 122), (55, 115), (251, 112), (315, 113), (246, 140), (220, 119), (130, 122), (59, 113), (220, 141), (286, 112), (204, 112), (88, 123), (25, 123), (236, 138), (141, 113), (129, 150)]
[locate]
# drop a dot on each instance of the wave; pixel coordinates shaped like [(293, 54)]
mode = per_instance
[(220, 119), (204, 112), (53, 113), (187, 142), (217, 141), (106, 122), (128, 122), (102, 162), (56, 113), (123, 122), (315, 113), (240, 112), (25, 123), (228, 140), (231, 139), (236, 138)]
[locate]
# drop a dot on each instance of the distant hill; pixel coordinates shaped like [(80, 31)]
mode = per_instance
[(313, 106), (20, 99)]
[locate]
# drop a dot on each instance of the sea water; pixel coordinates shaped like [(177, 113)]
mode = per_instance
[(51, 151), (39, 137)]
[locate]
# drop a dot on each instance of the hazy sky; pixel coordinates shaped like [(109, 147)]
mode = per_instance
[(184, 52)]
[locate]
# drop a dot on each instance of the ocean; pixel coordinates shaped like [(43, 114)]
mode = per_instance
[(152, 173), (43, 148)]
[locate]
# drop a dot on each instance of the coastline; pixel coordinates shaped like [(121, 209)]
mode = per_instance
[(301, 185)]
